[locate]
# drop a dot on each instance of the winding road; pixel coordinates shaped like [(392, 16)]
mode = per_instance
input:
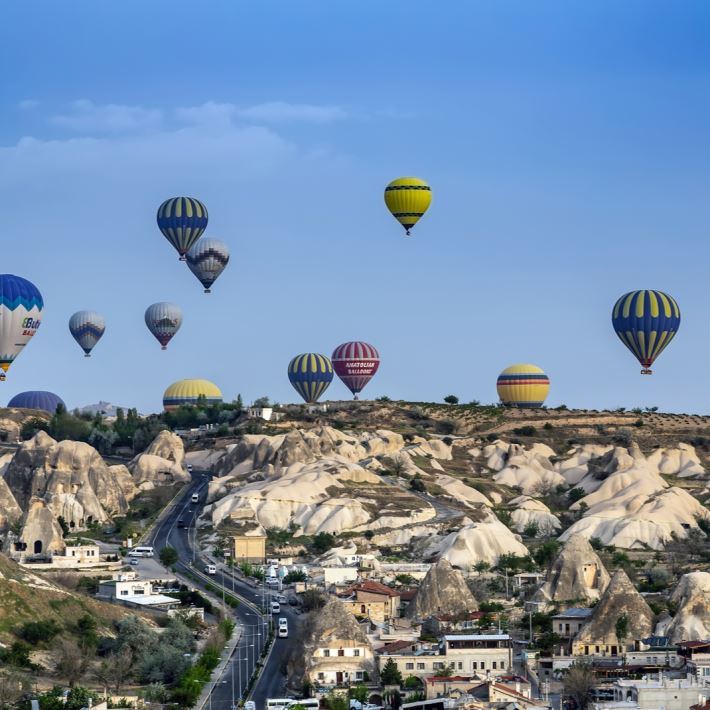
[(253, 625)]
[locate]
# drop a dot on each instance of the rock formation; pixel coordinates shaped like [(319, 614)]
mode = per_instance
[(334, 627), (577, 574), (41, 533), (71, 478), (620, 600), (442, 591), (482, 541), (324, 496), (692, 598), (10, 511), (529, 511), (161, 464)]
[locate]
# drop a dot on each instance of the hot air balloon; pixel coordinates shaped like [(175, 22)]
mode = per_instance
[(408, 198), (207, 260), (163, 321), (523, 386), (182, 220), (20, 307), (190, 392), (646, 321), (45, 401), (355, 364), (310, 374), (87, 327)]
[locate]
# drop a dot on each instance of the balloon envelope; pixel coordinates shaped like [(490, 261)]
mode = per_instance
[(523, 386), (207, 260), (190, 392), (355, 363), (408, 198), (163, 321), (646, 321), (87, 327), (182, 220), (310, 374), (37, 399), (21, 304)]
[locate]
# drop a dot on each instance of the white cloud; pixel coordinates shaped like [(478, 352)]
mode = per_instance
[(212, 113), (89, 118), (281, 112), (27, 104)]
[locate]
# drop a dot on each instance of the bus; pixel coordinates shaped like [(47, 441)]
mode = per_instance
[(285, 703), (141, 552)]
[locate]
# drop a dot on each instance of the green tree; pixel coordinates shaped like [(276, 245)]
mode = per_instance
[(622, 628), (451, 399), (334, 701), (578, 684), (322, 542), (390, 674), (359, 692), (168, 556), (575, 494)]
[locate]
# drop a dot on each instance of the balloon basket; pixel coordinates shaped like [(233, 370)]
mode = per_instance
[(182, 257), (207, 290), (646, 371), (163, 347), (87, 355)]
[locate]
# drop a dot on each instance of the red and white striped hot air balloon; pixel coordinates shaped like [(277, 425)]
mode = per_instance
[(355, 364)]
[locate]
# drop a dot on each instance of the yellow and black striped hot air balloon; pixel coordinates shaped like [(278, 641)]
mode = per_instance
[(182, 220), (408, 198), (310, 374), (646, 321)]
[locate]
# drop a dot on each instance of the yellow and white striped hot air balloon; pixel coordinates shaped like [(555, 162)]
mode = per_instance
[(408, 198)]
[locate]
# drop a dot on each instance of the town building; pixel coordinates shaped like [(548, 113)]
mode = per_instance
[(373, 600), (248, 548), (696, 655), (567, 623), (654, 694)]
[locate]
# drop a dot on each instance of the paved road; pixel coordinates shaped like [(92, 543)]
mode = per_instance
[(254, 625)]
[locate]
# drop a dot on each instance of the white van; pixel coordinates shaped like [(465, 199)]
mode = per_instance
[(275, 608), (211, 569), (195, 498), (277, 703), (141, 552), (283, 627), (308, 703)]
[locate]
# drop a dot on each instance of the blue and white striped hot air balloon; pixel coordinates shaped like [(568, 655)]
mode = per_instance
[(207, 260), (86, 328), (182, 220), (21, 304), (163, 321)]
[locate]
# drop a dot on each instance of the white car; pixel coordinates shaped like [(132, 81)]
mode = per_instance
[(283, 627), (275, 608)]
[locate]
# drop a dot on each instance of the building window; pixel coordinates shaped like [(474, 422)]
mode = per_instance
[(358, 675), (326, 652), (124, 592), (421, 666), (559, 627), (437, 665), (460, 665), (495, 665), (483, 665), (409, 666), (363, 609), (356, 652), (321, 676), (341, 651), (474, 665)]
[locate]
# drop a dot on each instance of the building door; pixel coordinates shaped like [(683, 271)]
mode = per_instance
[(38, 547), (339, 678)]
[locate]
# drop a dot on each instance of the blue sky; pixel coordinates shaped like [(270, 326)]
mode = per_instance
[(566, 144)]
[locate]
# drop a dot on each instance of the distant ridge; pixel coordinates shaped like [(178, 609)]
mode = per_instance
[(106, 408)]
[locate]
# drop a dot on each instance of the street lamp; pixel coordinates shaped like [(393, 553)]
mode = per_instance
[(246, 660)]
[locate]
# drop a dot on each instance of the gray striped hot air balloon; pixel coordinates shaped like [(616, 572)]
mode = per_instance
[(163, 321), (86, 328), (207, 260)]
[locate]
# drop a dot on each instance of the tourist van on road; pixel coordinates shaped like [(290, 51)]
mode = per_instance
[(195, 498), (141, 552), (211, 569)]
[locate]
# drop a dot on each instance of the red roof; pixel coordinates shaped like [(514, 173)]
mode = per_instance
[(374, 588), (395, 646), (706, 706), (694, 644), (508, 689), (406, 595)]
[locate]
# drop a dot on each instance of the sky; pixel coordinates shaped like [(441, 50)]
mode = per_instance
[(566, 143)]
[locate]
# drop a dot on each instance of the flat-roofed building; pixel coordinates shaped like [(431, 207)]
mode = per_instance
[(249, 548)]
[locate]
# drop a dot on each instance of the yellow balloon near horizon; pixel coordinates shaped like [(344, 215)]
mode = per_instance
[(408, 198), (190, 392), (523, 385)]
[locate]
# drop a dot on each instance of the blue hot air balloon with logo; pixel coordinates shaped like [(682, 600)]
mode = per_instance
[(646, 321), (86, 328), (21, 307), (310, 374)]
